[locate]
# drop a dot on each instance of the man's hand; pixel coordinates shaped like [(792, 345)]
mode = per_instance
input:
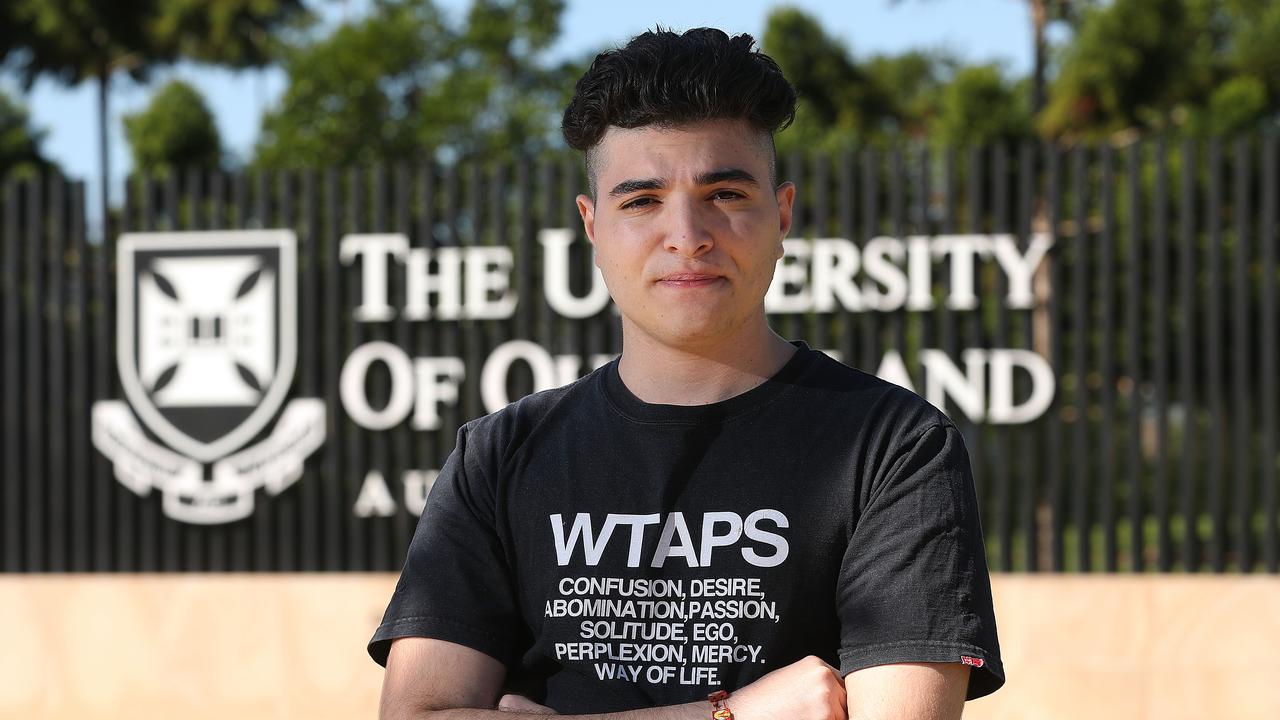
[(807, 689), (522, 704)]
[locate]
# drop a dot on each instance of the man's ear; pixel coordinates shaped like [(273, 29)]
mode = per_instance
[(587, 211), (786, 197)]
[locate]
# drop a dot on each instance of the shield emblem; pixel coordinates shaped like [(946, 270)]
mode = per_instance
[(207, 334)]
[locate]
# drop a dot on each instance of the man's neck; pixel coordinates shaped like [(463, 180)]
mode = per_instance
[(661, 374)]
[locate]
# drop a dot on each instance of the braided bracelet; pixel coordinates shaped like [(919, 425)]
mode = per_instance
[(719, 707)]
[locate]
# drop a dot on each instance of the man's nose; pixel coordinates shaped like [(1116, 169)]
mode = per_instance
[(688, 231)]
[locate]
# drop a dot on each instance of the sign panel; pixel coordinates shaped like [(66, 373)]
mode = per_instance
[(207, 343)]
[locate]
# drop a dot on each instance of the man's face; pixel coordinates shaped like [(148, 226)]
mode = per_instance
[(687, 229)]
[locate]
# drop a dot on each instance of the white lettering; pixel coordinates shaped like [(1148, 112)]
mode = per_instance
[(555, 273), (711, 540), (1020, 268), (493, 377), (835, 263), (375, 252), (438, 379), (943, 379), (445, 284), (962, 248), (790, 272), (351, 385), (489, 294), (417, 485), (1003, 409), (919, 274), (593, 547), (675, 524), (752, 531), (375, 498), (893, 369), (880, 259), (637, 523)]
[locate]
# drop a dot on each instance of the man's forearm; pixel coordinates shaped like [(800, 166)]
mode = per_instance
[(921, 691), (436, 680), (687, 711)]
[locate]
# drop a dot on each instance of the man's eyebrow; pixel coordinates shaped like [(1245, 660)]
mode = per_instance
[(629, 186), (726, 175), (711, 177)]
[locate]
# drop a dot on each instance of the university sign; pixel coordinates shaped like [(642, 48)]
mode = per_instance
[(207, 344)]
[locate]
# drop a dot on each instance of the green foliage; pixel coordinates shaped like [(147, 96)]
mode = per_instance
[(1255, 45), (1234, 106), (350, 95), (1128, 66), (913, 82), (1200, 66), (499, 96), (19, 142), (235, 33), (176, 130), (843, 103), (980, 107), (75, 40), (825, 78), (404, 80), (1127, 58)]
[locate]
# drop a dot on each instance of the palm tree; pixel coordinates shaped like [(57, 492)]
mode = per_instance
[(77, 40)]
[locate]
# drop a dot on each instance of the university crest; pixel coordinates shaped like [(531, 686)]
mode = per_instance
[(206, 344)]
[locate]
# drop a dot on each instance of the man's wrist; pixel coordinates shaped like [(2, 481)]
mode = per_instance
[(720, 709)]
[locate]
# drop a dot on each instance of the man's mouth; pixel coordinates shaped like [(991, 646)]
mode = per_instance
[(689, 280)]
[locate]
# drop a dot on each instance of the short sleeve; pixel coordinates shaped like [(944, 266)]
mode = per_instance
[(914, 585), (456, 584)]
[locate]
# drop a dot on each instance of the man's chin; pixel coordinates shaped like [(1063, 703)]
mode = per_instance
[(692, 334)]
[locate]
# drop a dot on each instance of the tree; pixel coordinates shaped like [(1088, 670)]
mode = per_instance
[(19, 142), (838, 105), (1198, 66), (500, 97), (1044, 12), (1128, 58), (913, 82), (76, 40), (844, 103), (175, 130), (1249, 92), (1254, 48), (404, 79), (351, 96), (980, 107)]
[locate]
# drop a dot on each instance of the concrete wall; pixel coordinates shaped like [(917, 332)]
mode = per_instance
[(285, 646)]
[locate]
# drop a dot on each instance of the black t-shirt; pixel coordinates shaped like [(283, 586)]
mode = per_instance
[(615, 554)]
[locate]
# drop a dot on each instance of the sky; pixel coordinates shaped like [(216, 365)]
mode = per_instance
[(974, 30)]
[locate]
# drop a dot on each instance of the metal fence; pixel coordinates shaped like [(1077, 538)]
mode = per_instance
[(1155, 308)]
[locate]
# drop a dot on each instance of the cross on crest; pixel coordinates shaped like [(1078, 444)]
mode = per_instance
[(207, 335)]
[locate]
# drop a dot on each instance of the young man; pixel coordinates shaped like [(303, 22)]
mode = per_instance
[(718, 510)]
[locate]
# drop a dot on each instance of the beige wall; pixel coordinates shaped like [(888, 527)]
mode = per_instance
[(285, 646)]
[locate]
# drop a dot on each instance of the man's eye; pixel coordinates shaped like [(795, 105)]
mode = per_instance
[(727, 195), (639, 202)]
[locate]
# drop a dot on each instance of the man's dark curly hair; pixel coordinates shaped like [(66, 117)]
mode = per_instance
[(670, 79)]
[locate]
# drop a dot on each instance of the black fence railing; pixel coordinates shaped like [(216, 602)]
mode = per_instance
[(1152, 309)]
